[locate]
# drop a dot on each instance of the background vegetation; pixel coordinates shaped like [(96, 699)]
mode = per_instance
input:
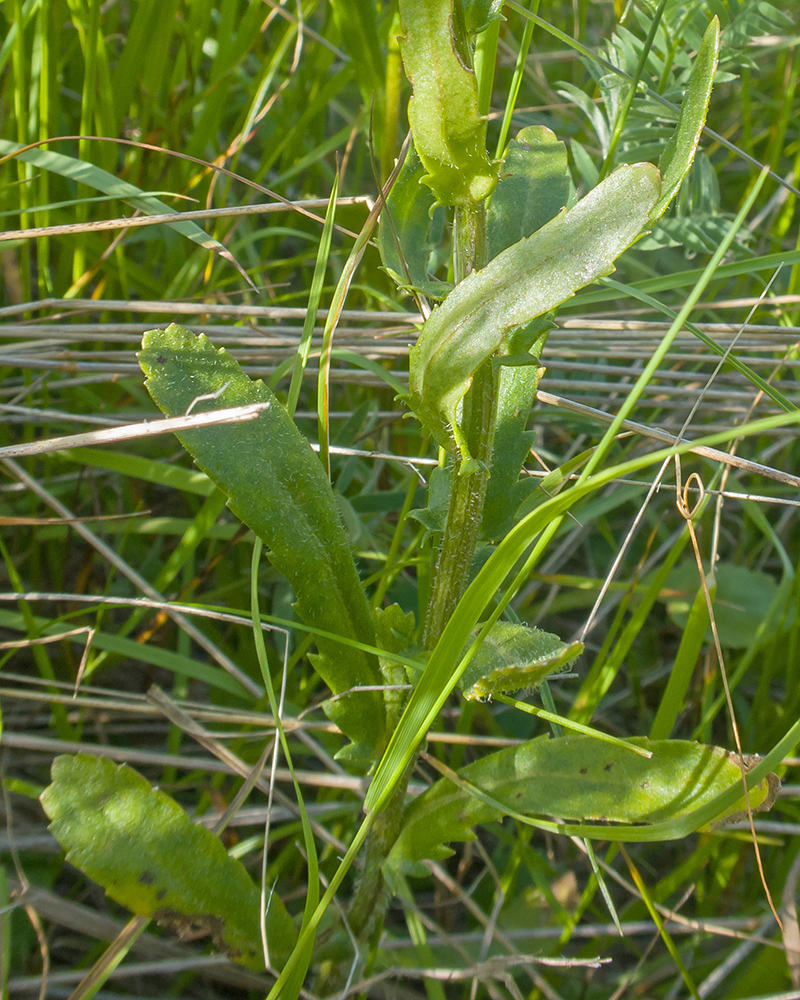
[(249, 103)]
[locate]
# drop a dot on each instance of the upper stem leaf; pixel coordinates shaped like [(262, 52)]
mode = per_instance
[(525, 281)]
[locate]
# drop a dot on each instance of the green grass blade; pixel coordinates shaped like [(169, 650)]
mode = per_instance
[(662, 930), (312, 883), (730, 358), (692, 642), (314, 296), (87, 173)]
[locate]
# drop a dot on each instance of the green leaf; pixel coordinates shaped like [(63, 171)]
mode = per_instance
[(404, 233), (513, 657), (449, 134), (672, 700), (525, 281), (534, 186), (101, 180), (276, 485), (148, 855), (574, 777), (433, 516), (135, 467), (742, 601), (478, 14), (679, 152), (516, 394), (395, 630)]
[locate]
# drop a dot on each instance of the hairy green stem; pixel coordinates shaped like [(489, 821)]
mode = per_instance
[(468, 492), (465, 510), (371, 897)]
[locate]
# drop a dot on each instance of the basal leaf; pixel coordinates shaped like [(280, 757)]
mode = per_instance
[(523, 282), (574, 778), (741, 603), (513, 657), (276, 485), (449, 134), (148, 855)]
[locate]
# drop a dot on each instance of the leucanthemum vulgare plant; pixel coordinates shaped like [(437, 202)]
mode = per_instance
[(527, 234)]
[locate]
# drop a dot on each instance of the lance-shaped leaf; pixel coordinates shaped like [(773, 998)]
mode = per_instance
[(449, 134), (575, 778), (148, 855), (525, 281), (679, 151), (513, 657), (276, 485)]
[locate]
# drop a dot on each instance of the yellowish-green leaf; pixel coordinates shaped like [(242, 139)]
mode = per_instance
[(576, 778)]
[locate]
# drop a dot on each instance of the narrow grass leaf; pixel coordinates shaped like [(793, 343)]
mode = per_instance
[(147, 469), (665, 935), (607, 665), (314, 295), (557, 722), (177, 663), (692, 640), (730, 358), (295, 984), (87, 173)]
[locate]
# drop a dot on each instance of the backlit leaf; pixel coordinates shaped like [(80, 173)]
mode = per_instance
[(575, 778)]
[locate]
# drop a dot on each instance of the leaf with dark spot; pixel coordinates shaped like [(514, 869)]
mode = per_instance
[(145, 851)]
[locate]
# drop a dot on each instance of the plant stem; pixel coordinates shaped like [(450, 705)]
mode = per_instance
[(371, 896), (464, 513), (469, 235), (465, 509), (467, 493)]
